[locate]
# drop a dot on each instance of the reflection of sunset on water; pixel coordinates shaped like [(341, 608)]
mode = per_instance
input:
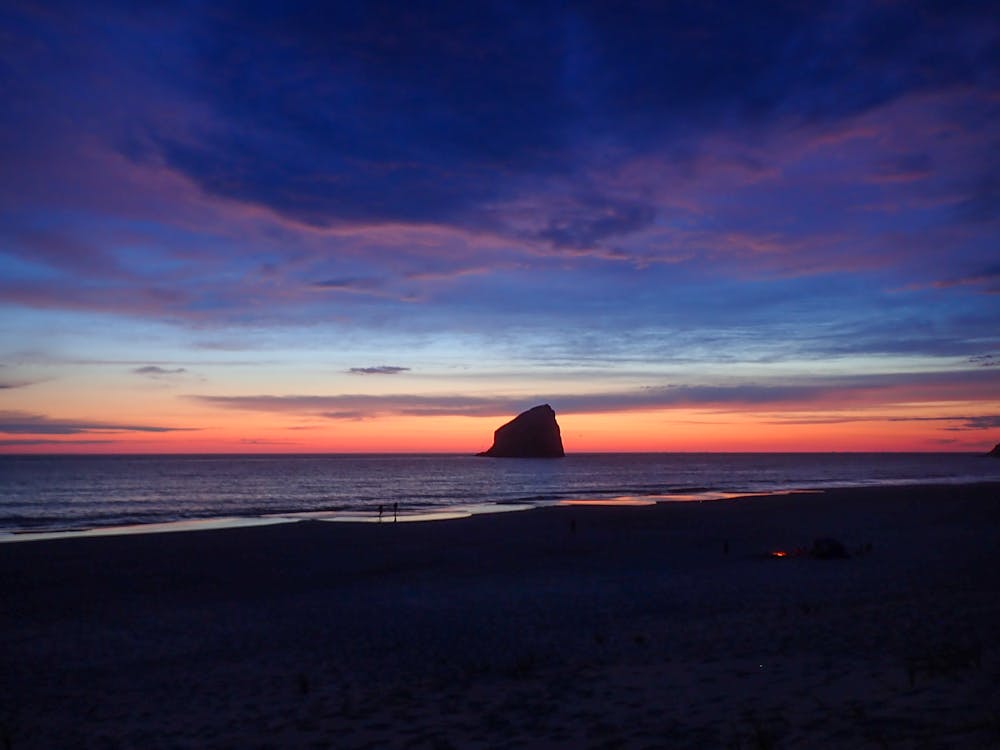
[(609, 501)]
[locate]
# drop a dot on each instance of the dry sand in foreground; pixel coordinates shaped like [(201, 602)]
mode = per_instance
[(564, 627)]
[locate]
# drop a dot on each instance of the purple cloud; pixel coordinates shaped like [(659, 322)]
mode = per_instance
[(968, 423), (34, 442), (155, 371), (986, 281), (25, 423), (379, 370), (823, 392), (586, 180)]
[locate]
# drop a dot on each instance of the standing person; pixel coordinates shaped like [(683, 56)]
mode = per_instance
[(380, 512), (395, 512)]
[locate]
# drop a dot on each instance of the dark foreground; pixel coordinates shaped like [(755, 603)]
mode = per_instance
[(665, 626)]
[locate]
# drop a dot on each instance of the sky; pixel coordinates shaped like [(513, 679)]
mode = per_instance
[(391, 226)]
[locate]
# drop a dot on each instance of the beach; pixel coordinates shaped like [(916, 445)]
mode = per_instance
[(667, 625)]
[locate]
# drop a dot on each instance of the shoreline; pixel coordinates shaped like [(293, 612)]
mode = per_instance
[(443, 512), (577, 626)]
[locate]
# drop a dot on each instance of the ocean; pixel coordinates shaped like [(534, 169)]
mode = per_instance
[(59, 494)]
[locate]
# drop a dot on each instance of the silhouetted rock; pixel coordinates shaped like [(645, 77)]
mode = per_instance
[(828, 549), (995, 452), (531, 434)]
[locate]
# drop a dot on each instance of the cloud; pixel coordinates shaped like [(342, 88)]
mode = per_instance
[(985, 360), (155, 371), (968, 423), (571, 170), (67, 253), (152, 300), (982, 204), (447, 274), (834, 393), (25, 423), (592, 220), (984, 422), (908, 167), (30, 442), (254, 441), (379, 370), (987, 281), (376, 114), (357, 406), (356, 286), (363, 287)]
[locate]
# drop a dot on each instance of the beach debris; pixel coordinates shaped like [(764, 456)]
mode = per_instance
[(531, 434)]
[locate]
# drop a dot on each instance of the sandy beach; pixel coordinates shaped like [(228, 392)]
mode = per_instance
[(594, 627)]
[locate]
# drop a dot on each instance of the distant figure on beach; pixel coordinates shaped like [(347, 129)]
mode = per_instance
[(380, 513), (395, 512)]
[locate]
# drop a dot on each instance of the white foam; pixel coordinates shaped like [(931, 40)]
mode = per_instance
[(167, 527)]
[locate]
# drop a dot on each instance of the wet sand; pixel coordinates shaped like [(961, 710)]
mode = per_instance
[(634, 627)]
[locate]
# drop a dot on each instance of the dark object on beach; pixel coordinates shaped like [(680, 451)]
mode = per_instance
[(995, 453), (531, 434), (828, 549)]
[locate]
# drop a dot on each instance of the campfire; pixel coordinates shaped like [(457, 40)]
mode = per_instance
[(821, 549)]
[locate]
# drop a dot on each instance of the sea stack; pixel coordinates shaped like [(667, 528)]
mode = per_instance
[(995, 452), (531, 434)]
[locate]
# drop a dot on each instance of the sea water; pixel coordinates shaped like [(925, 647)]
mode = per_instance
[(70, 493)]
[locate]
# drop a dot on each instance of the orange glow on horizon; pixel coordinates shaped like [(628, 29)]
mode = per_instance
[(673, 430)]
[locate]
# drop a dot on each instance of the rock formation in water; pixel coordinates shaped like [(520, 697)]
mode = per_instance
[(995, 452), (531, 434)]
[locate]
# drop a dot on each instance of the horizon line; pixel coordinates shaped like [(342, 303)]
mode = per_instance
[(23, 454)]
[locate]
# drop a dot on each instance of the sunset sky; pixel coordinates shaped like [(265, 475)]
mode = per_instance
[(277, 226)]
